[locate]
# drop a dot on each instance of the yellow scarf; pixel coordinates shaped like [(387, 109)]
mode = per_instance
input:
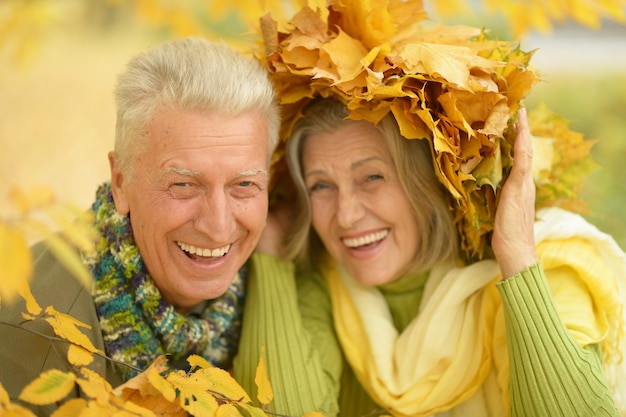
[(452, 357)]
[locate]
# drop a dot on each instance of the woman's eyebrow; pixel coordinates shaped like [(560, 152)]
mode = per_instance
[(363, 161)]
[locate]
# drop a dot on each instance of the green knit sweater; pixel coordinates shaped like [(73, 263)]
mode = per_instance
[(292, 317)]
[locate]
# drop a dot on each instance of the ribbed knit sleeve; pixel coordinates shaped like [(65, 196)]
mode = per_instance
[(302, 355), (551, 375)]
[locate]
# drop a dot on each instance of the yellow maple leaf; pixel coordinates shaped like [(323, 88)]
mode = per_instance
[(345, 53), (95, 386), (49, 387), (220, 381), (71, 408), (375, 22), (146, 383), (265, 393), (32, 307), (16, 260), (79, 356), (192, 394), (151, 391), (66, 327), (411, 127), (198, 361)]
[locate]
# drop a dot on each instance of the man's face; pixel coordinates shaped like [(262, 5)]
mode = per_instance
[(197, 200)]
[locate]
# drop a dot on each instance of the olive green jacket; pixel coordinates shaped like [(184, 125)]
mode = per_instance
[(26, 351)]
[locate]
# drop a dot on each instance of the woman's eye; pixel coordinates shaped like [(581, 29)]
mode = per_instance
[(181, 184), (318, 186), (374, 177)]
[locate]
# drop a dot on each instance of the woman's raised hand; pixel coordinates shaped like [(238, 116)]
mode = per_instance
[(513, 240)]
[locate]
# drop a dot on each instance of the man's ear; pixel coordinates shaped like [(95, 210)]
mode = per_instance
[(117, 186)]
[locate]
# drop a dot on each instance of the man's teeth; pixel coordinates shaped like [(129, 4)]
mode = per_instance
[(365, 240), (214, 253)]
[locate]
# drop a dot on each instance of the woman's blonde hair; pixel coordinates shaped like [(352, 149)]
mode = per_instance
[(413, 162)]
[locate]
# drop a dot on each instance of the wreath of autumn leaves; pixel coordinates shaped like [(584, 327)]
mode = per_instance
[(450, 85)]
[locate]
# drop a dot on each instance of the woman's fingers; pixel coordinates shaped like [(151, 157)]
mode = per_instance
[(513, 239)]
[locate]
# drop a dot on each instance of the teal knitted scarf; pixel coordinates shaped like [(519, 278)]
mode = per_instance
[(137, 324)]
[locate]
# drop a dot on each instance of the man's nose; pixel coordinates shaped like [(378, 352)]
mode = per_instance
[(215, 217)]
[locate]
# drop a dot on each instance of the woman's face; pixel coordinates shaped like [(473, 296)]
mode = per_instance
[(359, 208)]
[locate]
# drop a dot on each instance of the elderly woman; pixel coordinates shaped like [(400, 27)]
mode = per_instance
[(390, 319)]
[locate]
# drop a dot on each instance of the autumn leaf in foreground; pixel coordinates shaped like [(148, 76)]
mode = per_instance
[(37, 216), (16, 261), (570, 161), (265, 393), (66, 327), (9, 409), (192, 394), (94, 385), (33, 309), (150, 390), (49, 387)]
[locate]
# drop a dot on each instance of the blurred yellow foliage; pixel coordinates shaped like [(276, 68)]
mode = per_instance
[(25, 23), (524, 16), (37, 216), (265, 394)]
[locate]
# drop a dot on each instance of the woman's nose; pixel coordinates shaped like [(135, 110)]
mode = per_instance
[(350, 208)]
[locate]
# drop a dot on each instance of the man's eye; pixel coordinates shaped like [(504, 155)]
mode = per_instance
[(182, 190), (246, 184)]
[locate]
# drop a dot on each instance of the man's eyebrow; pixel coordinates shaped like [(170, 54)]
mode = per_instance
[(252, 172), (181, 171)]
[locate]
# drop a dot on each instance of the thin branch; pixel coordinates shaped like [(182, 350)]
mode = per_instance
[(58, 339)]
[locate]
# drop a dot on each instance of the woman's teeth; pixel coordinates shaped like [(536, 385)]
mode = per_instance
[(214, 253), (365, 240)]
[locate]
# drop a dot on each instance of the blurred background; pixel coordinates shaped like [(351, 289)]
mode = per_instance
[(59, 60)]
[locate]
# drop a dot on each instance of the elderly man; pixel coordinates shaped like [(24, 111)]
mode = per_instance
[(183, 211)]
